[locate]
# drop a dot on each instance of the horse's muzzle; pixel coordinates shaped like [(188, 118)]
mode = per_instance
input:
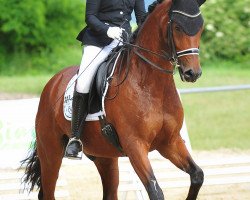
[(189, 75)]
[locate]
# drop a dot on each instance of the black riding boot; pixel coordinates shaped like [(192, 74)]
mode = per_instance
[(79, 114)]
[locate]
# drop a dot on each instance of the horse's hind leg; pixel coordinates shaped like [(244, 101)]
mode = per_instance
[(108, 170), (178, 154), (50, 153)]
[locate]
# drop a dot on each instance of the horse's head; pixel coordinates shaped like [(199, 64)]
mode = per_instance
[(184, 32)]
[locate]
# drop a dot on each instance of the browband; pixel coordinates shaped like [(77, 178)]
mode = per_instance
[(185, 14)]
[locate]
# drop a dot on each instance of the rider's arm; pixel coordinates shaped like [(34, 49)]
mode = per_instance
[(140, 11), (92, 9)]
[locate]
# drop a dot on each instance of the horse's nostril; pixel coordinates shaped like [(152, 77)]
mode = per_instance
[(189, 73)]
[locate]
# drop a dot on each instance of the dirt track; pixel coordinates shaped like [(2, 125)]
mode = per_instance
[(84, 182)]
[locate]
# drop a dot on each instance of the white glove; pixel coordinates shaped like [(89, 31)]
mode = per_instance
[(115, 33)]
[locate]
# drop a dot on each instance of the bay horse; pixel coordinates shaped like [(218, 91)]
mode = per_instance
[(147, 112)]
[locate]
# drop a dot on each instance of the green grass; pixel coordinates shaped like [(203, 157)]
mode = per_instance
[(218, 120), (23, 84), (219, 74), (45, 62), (214, 120)]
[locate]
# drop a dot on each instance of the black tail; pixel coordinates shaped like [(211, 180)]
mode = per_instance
[(32, 175)]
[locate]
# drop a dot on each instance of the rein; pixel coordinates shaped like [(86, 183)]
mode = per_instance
[(173, 58), (154, 65), (163, 56)]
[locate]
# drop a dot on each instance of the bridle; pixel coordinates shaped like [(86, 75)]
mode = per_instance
[(177, 54), (173, 56)]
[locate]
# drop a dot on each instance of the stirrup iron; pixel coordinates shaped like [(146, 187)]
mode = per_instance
[(79, 155)]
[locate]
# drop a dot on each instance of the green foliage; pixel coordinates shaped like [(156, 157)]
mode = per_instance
[(39, 36), (227, 30), (31, 26), (21, 23), (66, 18), (44, 62)]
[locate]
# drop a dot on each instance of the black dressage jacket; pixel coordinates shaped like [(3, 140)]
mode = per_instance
[(101, 14)]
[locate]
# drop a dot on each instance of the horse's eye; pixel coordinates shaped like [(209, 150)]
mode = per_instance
[(178, 28)]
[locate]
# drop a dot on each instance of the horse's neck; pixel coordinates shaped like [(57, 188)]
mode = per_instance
[(151, 37)]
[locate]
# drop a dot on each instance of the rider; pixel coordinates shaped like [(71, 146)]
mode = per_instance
[(106, 20)]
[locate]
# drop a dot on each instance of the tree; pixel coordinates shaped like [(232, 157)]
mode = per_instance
[(29, 25), (227, 29)]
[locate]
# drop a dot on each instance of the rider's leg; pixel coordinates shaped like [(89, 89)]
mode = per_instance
[(93, 56)]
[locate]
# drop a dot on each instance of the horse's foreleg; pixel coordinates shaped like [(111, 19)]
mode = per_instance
[(138, 156), (50, 153), (109, 172), (178, 154)]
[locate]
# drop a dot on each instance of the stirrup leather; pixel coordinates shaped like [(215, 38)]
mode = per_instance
[(79, 155)]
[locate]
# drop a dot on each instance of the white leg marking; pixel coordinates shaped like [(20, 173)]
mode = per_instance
[(154, 181)]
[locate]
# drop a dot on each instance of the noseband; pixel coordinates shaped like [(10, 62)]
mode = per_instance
[(177, 54)]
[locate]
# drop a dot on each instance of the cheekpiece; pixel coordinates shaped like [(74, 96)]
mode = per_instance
[(186, 13)]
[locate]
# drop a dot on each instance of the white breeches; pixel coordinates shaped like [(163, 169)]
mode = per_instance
[(92, 57)]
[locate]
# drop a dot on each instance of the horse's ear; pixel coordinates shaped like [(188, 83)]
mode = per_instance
[(200, 2)]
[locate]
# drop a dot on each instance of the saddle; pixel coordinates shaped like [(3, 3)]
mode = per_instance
[(97, 95), (100, 82)]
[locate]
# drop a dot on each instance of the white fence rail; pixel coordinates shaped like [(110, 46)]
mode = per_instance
[(214, 89)]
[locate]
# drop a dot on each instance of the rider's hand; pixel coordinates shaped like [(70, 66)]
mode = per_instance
[(115, 33)]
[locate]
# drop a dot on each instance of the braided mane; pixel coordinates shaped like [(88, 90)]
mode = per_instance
[(151, 8)]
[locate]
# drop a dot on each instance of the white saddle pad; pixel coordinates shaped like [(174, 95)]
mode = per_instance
[(67, 105), (68, 97)]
